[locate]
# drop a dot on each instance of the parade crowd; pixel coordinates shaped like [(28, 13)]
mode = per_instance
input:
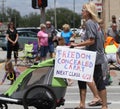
[(93, 37)]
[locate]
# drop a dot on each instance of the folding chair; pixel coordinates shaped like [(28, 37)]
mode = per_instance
[(35, 51), (28, 58), (35, 47)]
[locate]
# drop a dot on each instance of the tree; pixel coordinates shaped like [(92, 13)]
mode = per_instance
[(31, 20), (63, 16), (13, 15)]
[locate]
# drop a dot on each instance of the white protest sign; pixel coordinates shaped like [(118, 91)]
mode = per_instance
[(74, 64)]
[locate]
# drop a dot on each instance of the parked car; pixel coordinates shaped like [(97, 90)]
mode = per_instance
[(24, 37), (33, 29), (58, 33), (3, 42), (75, 30)]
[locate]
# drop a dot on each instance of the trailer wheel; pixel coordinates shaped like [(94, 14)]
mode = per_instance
[(3, 106), (40, 97)]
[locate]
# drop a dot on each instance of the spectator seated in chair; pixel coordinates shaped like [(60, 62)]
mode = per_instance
[(111, 47)]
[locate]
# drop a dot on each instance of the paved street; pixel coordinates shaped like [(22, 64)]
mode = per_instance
[(72, 94)]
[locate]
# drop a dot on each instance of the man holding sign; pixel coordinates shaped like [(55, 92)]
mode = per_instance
[(93, 42)]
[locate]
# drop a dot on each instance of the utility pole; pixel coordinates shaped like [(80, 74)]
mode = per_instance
[(74, 14), (103, 13), (43, 18), (3, 9), (55, 14)]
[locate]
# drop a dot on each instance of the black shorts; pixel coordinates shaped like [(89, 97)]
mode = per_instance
[(98, 78)]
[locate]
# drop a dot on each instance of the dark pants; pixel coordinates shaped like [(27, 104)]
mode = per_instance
[(98, 78), (43, 51), (11, 48)]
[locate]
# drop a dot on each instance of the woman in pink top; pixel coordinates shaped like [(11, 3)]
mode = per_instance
[(43, 42)]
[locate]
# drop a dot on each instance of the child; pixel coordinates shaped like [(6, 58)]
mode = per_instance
[(61, 41), (11, 72)]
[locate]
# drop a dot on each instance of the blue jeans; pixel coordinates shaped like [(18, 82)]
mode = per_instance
[(43, 51)]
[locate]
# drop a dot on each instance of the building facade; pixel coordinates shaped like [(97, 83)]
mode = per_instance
[(107, 8), (111, 7)]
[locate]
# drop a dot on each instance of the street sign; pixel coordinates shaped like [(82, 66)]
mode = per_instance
[(98, 4)]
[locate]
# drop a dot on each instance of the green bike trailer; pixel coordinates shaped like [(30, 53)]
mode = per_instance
[(37, 88)]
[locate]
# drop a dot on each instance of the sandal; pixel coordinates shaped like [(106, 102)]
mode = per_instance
[(95, 103)]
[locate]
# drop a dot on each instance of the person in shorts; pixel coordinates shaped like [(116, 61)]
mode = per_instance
[(43, 42), (93, 42), (50, 30)]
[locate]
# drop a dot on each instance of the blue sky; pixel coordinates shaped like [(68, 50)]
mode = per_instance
[(24, 6)]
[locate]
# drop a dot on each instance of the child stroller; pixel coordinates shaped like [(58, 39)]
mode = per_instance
[(37, 88)]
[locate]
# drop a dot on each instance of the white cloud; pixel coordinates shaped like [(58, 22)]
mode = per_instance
[(24, 6)]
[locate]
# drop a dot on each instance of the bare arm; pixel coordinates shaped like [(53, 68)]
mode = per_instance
[(74, 35), (38, 42), (90, 41), (7, 36), (117, 58), (4, 78), (16, 38)]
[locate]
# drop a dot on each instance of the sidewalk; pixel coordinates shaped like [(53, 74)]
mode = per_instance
[(115, 74)]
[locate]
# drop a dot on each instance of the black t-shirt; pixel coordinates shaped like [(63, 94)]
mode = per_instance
[(12, 35)]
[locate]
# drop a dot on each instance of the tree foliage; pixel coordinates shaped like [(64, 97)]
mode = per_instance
[(63, 15), (31, 20), (11, 15)]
